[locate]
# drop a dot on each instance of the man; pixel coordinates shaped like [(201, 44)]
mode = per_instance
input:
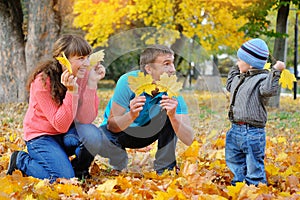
[(132, 121)]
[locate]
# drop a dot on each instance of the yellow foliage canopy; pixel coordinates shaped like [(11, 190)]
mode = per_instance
[(210, 21)]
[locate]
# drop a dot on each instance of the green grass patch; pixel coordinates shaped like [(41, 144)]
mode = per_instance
[(284, 119)]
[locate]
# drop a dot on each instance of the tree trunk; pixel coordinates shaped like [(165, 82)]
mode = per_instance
[(44, 23), (215, 65), (280, 43), (12, 62)]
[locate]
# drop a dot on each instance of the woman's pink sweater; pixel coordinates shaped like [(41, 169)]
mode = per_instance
[(45, 117)]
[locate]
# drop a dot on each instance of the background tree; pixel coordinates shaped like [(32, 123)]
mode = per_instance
[(27, 33), (258, 25), (12, 52), (44, 25), (208, 23), (217, 26)]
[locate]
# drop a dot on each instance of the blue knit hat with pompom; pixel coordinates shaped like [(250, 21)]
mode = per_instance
[(255, 52)]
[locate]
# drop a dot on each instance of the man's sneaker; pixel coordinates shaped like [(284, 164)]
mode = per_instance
[(12, 163), (82, 175), (175, 168)]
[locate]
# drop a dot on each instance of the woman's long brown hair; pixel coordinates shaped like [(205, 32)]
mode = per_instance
[(71, 45)]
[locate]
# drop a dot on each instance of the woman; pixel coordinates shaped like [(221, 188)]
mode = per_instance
[(58, 98)]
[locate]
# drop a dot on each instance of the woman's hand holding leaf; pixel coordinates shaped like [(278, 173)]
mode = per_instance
[(69, 81)]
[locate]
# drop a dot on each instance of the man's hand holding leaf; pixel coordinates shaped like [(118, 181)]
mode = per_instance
[(136, 106), (169, 104)]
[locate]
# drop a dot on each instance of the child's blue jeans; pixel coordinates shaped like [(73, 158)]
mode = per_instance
[(245, 152)]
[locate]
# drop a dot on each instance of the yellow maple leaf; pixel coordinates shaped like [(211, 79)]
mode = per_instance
[(267, 66), (107, 186), (282, 139), (234, 191), (65, 62), (272, 170), (68, 189), (287, 79), (169, 84), (96, 57), (281, 157), (141, 83), (192, 151)]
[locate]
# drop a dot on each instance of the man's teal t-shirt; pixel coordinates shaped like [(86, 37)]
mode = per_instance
[(122, 96)]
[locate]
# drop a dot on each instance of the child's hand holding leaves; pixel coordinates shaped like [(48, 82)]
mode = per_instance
[(287, 79)]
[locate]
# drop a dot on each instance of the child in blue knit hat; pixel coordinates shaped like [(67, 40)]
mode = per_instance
[(250, 86)]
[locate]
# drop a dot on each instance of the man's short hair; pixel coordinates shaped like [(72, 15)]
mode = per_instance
[(151, 53)]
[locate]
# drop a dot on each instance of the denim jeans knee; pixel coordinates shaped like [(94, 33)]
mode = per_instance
[(46, 158), (71, 142)]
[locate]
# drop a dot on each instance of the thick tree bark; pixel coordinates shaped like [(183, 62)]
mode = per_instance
[(44, 23), (12, 62), (280, 45)]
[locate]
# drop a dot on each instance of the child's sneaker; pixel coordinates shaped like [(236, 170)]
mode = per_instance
[(12, 163)]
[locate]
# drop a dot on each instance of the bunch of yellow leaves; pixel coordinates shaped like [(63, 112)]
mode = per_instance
[(169, 84), (141, 83), (65, 62), (144, 83), (286, 80)]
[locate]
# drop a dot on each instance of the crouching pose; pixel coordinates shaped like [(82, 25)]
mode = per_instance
[(132, 121), (58, 98)]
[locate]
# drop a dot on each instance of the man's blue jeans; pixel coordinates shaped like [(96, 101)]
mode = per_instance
[(73, 146), (99, 140), (245, 152)]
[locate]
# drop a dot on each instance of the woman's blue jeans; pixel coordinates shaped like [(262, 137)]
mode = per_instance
[(99, 140), (48, 157), (245, 152)]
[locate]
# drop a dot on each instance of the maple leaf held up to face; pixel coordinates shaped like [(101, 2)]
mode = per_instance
[(64, 61), (169, 84), (141, 83), (96, 57)]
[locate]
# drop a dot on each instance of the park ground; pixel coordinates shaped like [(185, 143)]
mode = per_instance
[(203, 172)]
